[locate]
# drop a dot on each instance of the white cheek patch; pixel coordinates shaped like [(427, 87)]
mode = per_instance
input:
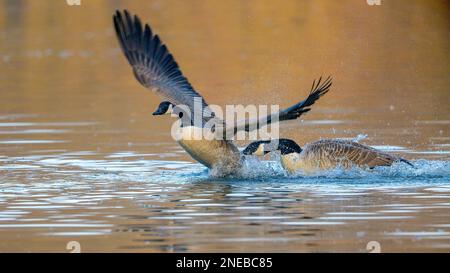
[(260, 150), (169, 110)]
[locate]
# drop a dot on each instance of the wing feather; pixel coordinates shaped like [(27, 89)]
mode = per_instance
[(356, 153), (153, 65), (318, 89)]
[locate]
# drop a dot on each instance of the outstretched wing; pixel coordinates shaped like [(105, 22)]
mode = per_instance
[(318, 89), (153, 65)]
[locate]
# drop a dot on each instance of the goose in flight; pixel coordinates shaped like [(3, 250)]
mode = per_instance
[(323, 154), (155, 68)]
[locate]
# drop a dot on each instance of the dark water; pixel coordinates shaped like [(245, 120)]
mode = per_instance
[(82, 159)]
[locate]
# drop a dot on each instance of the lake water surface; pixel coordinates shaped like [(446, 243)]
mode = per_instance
[(82, 158)]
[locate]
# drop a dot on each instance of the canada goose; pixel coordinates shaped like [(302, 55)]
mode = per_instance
[(213, 153), (155, 68), (323, 154)]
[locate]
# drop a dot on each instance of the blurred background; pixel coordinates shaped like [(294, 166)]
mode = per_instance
[(389, 63)]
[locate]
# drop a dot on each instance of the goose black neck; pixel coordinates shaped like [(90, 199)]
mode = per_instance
[(288, 146)]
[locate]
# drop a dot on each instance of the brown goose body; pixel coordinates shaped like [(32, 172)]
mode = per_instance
[(213, 153), (330, 153)]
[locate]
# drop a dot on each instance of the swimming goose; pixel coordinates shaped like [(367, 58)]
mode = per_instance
[(155, 68), (219, 154), (323, 154)]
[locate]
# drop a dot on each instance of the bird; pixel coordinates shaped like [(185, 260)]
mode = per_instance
[(323, 154), (155, 68)]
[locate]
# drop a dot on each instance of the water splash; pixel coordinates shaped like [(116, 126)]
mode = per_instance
[(424, 171), (113, 167), (360, 137)]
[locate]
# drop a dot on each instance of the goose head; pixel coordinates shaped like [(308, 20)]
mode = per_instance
[(262, 147), (164, 108)]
